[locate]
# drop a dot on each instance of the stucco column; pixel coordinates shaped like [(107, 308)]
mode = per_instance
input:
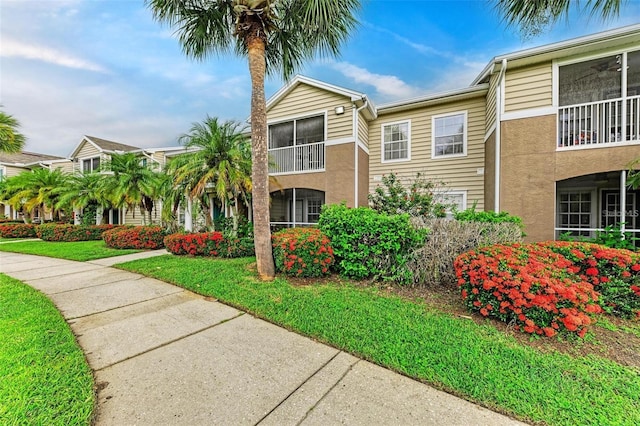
[(188, 218)]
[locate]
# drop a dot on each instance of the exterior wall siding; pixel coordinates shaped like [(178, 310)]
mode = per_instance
[(491, 102), (458, 173), (363, 131), (305, 98), (11, 171), (527, 88)]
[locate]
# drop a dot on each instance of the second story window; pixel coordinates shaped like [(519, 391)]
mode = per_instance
[(91, 164), (449, 135), (396, 141), (297, 132)]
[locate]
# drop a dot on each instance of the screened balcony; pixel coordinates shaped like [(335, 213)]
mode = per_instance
[(297, 146), (599, 102), (298, 158)]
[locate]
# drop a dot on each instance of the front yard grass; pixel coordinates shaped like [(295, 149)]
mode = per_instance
[(76, 250), (455, 354), (45, 377)]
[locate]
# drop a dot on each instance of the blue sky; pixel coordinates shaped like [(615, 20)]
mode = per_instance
[(105, 68)]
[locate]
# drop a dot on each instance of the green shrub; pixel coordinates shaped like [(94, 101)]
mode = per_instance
[(214, 244), (302, 252), (135, 237), (473, 215), (57, 232), (529, 286), (432, 263), (614, 273), (414, 197), (368, 244), (18, 230)]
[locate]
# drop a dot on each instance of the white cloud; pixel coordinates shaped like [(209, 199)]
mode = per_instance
[(13, 48), (389, 86)]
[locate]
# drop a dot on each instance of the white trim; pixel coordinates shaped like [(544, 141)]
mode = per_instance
[(596, 146), (382, 141), (465, 132), (422, 101), (364, 148), (595, 202), (489, 132), (300, 116), (529, 113), (301, 172), (340, 141), (83, 159)]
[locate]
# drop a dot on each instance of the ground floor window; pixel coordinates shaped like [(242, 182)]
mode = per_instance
[(295, 207), (575, 212)]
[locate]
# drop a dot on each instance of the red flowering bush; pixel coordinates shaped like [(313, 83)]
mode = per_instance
[(135, 237), (17, 230), (209, 244), (57, 232), (527, 285), (614, 273), (302, 252)]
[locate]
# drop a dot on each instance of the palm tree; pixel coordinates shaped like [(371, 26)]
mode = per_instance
[(37, 189), (532, 17), (131, 184), (83, 189), (275, 36), (221, 160), (10, 139)]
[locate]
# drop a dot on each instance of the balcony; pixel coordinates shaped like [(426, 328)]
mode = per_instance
[(297, 159), (601, 123)]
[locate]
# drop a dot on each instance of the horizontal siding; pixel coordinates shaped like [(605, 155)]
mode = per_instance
[(528, 88), (66, 167), (13, 171), (460, 173), (307, 99), (87, 151), (491, 102), (363, 131)]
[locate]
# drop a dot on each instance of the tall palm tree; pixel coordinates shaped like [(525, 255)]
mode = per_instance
[(221, 160), (533, 16), (275, 36), (132, 184), (37, 189), (10, 139)]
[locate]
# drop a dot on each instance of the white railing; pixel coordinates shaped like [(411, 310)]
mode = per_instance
[(298, 158), (599, 123)]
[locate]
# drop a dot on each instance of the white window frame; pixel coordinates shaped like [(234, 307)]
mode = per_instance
[(465, 132), (595, 205), (294, 118), (3, 173), (82, 160), (444, 194), (382, 141)]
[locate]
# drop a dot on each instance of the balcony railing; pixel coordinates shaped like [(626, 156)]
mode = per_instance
[(296, 159), (599, 123)]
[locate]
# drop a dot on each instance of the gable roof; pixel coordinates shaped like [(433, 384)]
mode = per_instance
[(589, 43), (25, 158), (103, 145), (356, 97)]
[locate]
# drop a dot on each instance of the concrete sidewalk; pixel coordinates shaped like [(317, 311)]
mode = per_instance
[(165, 356)]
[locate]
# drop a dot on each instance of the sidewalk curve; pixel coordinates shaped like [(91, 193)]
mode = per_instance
[(162, 355)]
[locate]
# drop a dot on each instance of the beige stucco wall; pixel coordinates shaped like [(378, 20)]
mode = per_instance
[(337, 181), (531, 166), (458, 173), (363, 178)]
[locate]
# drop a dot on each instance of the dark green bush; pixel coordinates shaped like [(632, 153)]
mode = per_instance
[(57, 232), (473, 215), (302, 252), (18, 230), (432, 264), (368, 244)]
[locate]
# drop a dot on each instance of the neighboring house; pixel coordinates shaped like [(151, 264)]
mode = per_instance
[(16, 163), (544, 133)]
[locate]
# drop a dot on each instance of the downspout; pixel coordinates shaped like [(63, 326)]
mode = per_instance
[(499, 100), (356, 122)]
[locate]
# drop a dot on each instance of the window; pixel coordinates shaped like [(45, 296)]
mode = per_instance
[(313, 210), (303, 131), (574, 212), (1, 173), (91, 164), (449, 135), (396, 141), (453, 200)]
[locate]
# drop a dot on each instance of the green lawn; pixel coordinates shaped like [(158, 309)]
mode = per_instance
[(77, 250), (45, 379), (454, 354)]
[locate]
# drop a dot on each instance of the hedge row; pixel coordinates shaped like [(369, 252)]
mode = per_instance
[(135, 237), (213, 244), (550, 287), (18, 230), (56, 232)]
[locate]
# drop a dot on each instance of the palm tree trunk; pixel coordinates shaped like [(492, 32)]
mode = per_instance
[(260, 172)]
